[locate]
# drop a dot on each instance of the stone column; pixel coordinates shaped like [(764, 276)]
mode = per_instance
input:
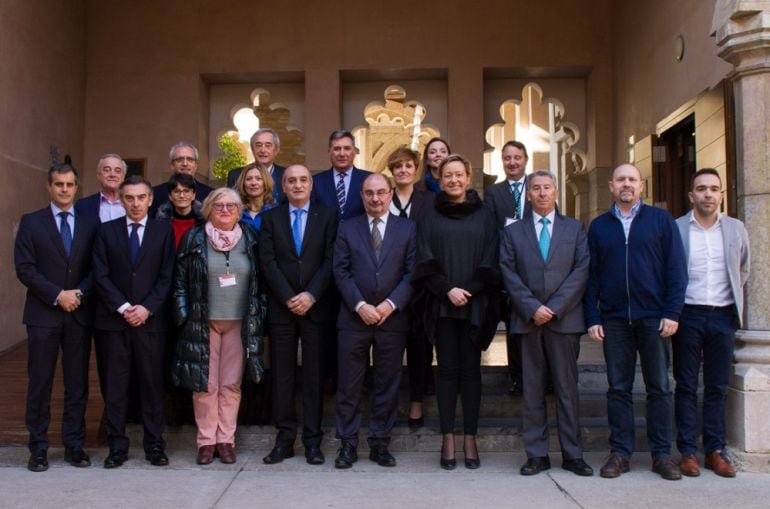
[(742, 30)]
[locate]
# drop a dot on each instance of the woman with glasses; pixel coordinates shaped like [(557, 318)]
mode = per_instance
[(255, 187), (220, 309), (457, 283), (182, 209)]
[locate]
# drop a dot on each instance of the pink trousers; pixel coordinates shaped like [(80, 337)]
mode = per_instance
[(216, 411)]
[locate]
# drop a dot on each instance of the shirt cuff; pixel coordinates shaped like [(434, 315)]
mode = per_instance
[(359, 305), (122, 309), (392, 304)]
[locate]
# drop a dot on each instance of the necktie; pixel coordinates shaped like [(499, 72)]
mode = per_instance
[(516, 199), (545, 238), (296, 230), (341, 189), (65, 232), (133, 242), (376, 236)]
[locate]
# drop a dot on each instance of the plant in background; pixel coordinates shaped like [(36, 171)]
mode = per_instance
[(232, 156)]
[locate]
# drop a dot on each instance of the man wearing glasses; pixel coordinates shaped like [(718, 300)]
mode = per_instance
[(183, 158)]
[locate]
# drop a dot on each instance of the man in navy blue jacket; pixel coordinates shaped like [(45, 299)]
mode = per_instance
[(635, 293)]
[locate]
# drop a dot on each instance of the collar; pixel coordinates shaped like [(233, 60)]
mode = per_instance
[(551, 216), (305, 207), (56, 210), (347, 172), (383, 219), (634, 210), (522, 181), (142, 222), (693, 221), (103, 198)]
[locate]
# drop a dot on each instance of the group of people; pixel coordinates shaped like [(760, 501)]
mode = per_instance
[(186, 283)]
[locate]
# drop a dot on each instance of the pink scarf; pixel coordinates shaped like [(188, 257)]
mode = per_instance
[(223, 240)]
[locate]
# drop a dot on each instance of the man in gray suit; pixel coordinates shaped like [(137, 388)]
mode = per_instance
[(717, 251), (544, 260)]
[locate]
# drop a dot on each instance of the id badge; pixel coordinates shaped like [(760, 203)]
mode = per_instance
[(227, 280)]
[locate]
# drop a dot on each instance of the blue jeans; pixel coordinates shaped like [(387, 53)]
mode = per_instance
[(712, 332), (621, 342)]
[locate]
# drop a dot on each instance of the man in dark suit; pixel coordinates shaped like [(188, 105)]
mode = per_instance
[(53, 260), (339, 187), (373, 262), (295, 252), (508, 202), (544, 261), (133, 266), (183, 158), (265, 145), (105, 203)]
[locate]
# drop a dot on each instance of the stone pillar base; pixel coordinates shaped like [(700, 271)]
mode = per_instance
[(748, 402)]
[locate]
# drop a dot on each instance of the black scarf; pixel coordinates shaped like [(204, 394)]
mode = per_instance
[(452, 210)]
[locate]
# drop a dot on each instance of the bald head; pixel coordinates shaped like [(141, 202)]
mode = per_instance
[(626, 186)]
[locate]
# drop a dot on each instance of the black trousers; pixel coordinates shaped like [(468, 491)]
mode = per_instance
[(120, 351), (353, 357), (284, 341), (459, 372), (43, 352), (419, 362)]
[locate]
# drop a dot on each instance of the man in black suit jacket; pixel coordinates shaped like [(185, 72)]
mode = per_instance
[(265, 145), (508, 202), (373, 262), (544, 261), (53, 260), (295, 252), (133, 266), (183, 158), (105, 204)]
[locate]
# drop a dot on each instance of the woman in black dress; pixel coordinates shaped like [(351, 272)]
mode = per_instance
[(458, 283)]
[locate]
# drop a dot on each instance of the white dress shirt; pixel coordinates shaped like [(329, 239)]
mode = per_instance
[(708, 282)]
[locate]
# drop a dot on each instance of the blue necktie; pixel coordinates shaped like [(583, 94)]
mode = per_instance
[(341, 190), (65, 232), (296, 230), (133, 242), (545, 238)]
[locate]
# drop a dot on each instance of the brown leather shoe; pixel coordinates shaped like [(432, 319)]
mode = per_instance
[(205, 454), (226, 453), (689, 465), (720, 464), (667, 469), (613, 466)]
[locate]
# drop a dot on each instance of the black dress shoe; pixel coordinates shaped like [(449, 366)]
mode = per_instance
[(38, 462), (346, 457), (278, 454), (380, 455), (536, 465), (415, 423), (157, 457), (578, 467), (115, 459), (314, 456), (77, 457)]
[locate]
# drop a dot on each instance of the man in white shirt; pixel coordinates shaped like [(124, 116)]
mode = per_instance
[(717, 249)]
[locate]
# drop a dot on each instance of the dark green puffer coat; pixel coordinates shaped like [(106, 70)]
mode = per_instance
[(191, 355)]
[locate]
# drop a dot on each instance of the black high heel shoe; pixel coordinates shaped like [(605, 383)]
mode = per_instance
[(446, 463), (415, 423), (472, 463)]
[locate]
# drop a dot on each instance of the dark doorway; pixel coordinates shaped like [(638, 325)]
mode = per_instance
[(672, 174)]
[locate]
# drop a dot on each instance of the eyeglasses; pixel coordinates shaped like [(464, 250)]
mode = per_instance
[(182, 192), (182, 159), (219, 207), (379, 194)]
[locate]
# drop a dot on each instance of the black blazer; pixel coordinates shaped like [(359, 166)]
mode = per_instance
[(499, 199), (89, 205), (325, 192), (118, 281), (361, 276), (233, 175), (44, 268), (286, 273), (422, 202)]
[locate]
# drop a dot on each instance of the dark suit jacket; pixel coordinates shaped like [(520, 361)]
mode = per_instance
[(160, 195), (233, 175), (361, 276), (558, 283), (325, 192), (118, 281), (499, 199), (288, 274), (422, 202), (44, 268), (89, 204)]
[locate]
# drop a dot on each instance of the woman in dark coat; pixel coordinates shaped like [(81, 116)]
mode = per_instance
[(458, 280), (220, 309)]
